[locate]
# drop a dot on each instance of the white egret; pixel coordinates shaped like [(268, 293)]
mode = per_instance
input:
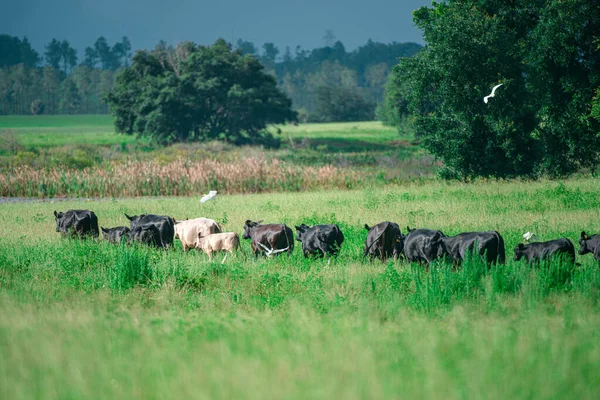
[(485, 99), (270, 252), (210, 196)]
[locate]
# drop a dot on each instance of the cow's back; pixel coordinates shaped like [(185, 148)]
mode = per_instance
[(423, 244)]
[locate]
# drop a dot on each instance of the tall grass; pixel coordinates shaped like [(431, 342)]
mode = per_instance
[(84, 318), (179, 178)]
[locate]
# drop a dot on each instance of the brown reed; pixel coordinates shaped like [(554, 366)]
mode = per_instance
[(178, 178)]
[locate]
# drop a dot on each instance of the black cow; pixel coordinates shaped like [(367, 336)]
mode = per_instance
[(115, 235), (540, 251), (490, 246), (423, 245), (147, 234), (383, 240), (165, 225), (320, 240), (77, 222), (269, 239), (590, 244)]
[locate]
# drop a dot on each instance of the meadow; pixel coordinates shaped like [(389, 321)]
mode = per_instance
[(81, 156), (88, 319)]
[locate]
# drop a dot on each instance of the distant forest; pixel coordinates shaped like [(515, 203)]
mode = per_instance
[(318, 81)]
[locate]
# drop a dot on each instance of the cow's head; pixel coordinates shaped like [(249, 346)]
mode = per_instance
[(105, 233), (583, 245), (519, 251), (301, 231), (58, 217), (248, 227)]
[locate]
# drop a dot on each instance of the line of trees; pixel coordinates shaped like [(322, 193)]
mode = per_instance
[(324, 84), (56, 83)]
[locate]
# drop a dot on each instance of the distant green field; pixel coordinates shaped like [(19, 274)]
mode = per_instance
[(88, 319), (60, 130)]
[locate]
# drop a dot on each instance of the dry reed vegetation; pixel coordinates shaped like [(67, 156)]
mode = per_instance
[(178, 178)]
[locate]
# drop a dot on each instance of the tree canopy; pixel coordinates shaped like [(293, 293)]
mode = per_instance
[(541, 121), (196, 92)]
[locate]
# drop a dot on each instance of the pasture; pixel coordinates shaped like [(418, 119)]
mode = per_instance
[(80, 318), (81, 156)]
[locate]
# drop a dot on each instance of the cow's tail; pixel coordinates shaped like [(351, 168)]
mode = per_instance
[(287, 238), (339, 238), (94, 225), (239, 246), (501, 251)]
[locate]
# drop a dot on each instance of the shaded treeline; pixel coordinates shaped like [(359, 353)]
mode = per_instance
[(325, 84), (54, 83), (320, 79)]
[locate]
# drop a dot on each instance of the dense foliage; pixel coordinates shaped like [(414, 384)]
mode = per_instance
[(61, 82), (342, 104), (197, 93), (540, 122), (61, 86)]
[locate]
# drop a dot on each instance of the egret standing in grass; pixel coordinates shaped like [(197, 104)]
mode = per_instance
[(485, 99), (210, 196)]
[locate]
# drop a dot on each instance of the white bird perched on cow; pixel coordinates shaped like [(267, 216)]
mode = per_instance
[(210, 196), (485, 99), (528, 236)]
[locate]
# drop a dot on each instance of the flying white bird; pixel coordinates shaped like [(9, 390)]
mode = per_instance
[(485, 99), (210, 196), (530, 236), (270, 252)]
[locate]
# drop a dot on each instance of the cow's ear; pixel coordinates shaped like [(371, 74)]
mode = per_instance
[(297, 227), (520, 245), (104, 229), (128, 217), (55, 214), (248, 223), (259, 222), (367, 227), (584, 236)]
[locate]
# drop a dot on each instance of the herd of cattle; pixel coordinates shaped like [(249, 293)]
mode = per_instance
[(384, 240)]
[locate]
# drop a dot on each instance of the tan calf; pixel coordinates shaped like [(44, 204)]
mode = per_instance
[(227, 241), (190, 230)]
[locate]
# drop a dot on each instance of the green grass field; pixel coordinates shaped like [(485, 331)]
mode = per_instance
[(89, 319), (46, 131)]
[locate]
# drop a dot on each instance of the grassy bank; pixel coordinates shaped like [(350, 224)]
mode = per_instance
[(81, 156), (85, 318)]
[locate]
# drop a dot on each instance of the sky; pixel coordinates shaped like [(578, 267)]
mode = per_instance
[(145, 22)]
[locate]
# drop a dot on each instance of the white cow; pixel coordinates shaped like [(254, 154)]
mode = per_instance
[(190, 230), (226, 241)]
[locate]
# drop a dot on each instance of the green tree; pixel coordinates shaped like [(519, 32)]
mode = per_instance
[(122, 52), (68, 56), (50, 88), (269, 56), (104, 53), (91, 58), (53, 54), (539, 122), (338, 103), (197, 93), (70, 100), (246, 47), (15, 51)]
